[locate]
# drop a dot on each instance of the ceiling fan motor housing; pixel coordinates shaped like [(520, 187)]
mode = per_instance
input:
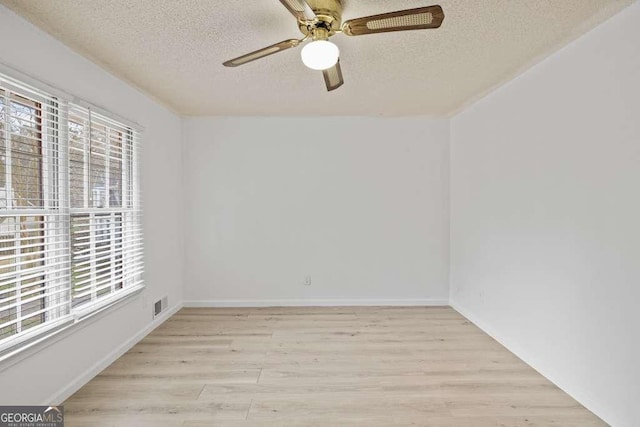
[(329, 18)]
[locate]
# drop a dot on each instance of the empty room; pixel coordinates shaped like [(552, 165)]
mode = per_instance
[(319, 213)]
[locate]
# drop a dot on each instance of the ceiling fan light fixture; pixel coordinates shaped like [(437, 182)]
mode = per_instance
[(318, 20), (320, 55)]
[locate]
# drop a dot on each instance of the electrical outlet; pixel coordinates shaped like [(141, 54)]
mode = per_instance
[(307, 280)]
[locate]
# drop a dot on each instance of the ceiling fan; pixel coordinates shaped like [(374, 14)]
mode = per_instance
[(320, 19)]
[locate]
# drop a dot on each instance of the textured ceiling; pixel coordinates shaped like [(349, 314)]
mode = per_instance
[(174, 51)]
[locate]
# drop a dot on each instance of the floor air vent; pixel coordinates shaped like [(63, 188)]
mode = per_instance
[(160, 306)]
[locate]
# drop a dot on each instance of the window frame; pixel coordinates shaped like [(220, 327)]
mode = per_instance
[(54, 146), (51, 217)]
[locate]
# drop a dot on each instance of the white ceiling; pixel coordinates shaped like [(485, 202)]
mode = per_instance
[(174, 51)]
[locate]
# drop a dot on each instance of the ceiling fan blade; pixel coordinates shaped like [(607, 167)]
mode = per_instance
[(300, 9), (412, 19), (333, 77), (269, 50)]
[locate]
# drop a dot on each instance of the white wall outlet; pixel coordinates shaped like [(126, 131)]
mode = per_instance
[(307, 280)]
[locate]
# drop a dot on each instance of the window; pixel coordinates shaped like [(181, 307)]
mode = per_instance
[(70, 233), (105, 232)]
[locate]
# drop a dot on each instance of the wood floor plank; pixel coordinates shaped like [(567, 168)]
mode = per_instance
[(320, 366), (363, 408), (493, 421)]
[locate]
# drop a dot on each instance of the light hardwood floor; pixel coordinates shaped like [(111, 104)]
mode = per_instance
[(321, 366)]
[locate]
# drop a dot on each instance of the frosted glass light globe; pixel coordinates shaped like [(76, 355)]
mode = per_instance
[(320, 55)]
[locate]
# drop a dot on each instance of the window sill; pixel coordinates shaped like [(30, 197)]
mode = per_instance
[(80, 319)]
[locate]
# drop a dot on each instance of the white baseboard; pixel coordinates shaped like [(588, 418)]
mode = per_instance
[(479, 323), (75, 385), (585, 399), (317, 302)]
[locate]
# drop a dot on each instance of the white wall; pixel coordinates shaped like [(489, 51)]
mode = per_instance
[(61, 367), (545, 214), (359, 204)]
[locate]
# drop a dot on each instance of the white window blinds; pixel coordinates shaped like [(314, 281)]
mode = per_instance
[(70, 231), (106, 237), (34, 260)]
